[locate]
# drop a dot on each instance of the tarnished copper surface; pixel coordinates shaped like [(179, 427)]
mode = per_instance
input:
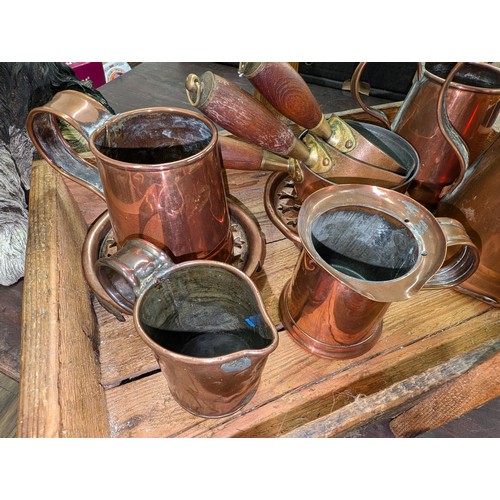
[(158, 170), (365, 247), (248, 253), (476, 204), (472, 103), (204, 320)]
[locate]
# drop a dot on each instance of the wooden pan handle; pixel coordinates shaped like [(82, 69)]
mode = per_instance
[(238, 112), (239, 155), (287, 91)]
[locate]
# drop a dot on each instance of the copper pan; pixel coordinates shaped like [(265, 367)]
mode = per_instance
[(309, 160)]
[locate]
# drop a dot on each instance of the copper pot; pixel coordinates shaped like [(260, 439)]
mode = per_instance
[(472, 103), (476, 204), (158, 169), (269, 144), (204, 320), (365, 247)]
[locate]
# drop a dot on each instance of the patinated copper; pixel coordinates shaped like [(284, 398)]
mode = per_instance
[(248, 254), (472, 104), (365, 247), (204, 320), (476, 204), (158, 170)]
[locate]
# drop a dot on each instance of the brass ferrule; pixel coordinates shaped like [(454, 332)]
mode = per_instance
[(342, 136), (249, 69)]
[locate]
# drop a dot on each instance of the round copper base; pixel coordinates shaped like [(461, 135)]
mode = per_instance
[(248, 251), (309, 343), (282, 204)]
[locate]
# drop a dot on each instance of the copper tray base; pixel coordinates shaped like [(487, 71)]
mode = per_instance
[(249, 248)]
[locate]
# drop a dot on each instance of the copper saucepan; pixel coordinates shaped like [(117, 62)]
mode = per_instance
[(311, 162)]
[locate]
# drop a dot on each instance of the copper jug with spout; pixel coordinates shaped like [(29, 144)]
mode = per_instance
[(471, 100)]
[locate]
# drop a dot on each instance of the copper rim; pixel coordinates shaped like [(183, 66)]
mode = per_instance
[(248, 254)]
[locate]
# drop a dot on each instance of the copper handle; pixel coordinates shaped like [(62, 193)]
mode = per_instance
[(375, 113), (238, 112), (465, 256), (450, 133), (130, 270), (84, 114)]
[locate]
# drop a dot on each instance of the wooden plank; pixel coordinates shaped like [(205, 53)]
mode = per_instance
[(9, 395), (60, 394), (455, 398), (403, 394), (298, 387)]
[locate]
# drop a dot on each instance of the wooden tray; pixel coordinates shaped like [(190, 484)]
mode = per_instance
[(85, 374)]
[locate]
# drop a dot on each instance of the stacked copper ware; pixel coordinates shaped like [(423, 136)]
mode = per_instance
[(185, 255)]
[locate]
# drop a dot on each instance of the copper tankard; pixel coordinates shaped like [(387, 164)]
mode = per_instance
[(365, 247), (204, 320), (467, 95), (158, 169)]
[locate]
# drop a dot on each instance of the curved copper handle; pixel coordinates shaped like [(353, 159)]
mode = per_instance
[(130, 270), (238, 112), (83, 113), (375, 113), (465, 258), (450, 133)]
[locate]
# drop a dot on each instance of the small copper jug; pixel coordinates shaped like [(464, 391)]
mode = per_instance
[(476, 204), (365, 247), (158, 169), (204, 320), (465, 94)]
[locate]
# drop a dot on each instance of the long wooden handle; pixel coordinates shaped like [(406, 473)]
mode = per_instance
[(287, 91), (238, 112), (239, 155)]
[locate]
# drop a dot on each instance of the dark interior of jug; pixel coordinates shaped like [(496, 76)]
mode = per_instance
[(364, 243), (469, 74), (155, 137), (203, 311)]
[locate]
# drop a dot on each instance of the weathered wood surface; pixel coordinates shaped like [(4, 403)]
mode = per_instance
[(297, 388), (60, 391)]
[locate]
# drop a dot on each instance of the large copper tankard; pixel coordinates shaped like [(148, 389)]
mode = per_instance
[(471, 101), (158, 169), (365, 247)]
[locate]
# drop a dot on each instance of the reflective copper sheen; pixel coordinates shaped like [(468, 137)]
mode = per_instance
[(476, 204), (365, 247), (158, 170), (472, 103), (204, 320)]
